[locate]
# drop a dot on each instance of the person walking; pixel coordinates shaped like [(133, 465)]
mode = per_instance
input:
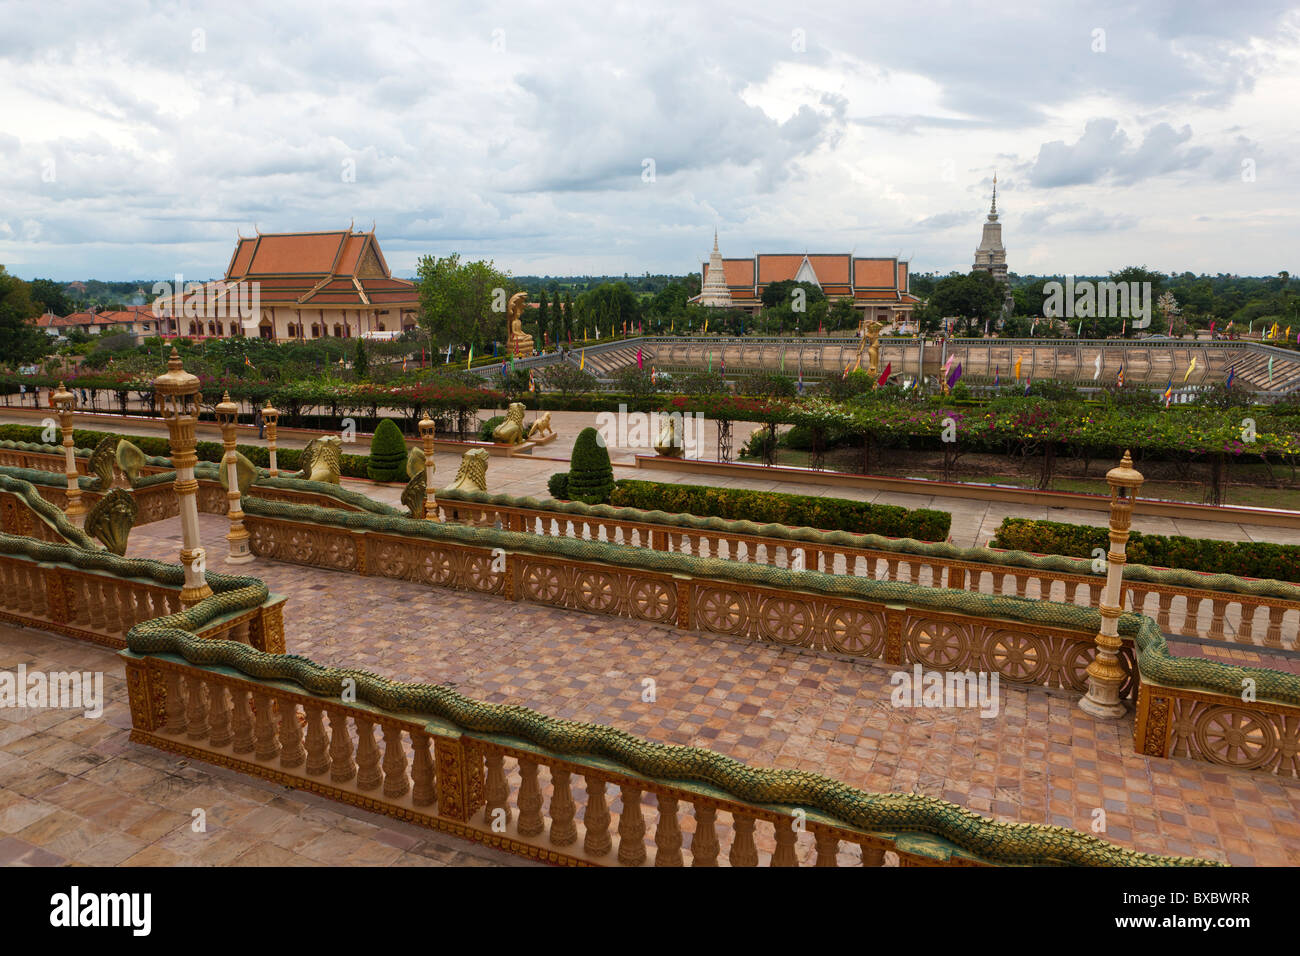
[(260, 422)]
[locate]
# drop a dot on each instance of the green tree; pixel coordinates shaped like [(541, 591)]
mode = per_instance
[(779, 293), (973, 299), (48, 296), (463, 303), (387, 460), (20, 340), (360, 361), (591, 476)]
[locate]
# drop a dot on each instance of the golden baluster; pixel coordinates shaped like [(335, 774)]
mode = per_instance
[(743, 851), (563, 830), (668, 834), (220, 714), (785, 855), (396, 783), (828, 848), (196, 710), (342, 767), (496, 807), (318, 757), (596, 817), (704, 844), (369, 776), (292, 753), (174, 703), (425, 790), (265, 744), (530, 800), (631, 828), (241, 720)]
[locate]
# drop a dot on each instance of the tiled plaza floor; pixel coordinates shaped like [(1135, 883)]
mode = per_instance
[(76, 790), (1039, 760)]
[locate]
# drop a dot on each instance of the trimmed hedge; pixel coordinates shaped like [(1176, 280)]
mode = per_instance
[(388, 452), (810, 511), (1247, 559), (591, 476), (558, 486)]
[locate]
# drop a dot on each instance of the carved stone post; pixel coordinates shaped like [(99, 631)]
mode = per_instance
[(271, 416), (177, 394), (237, 536), (430, 502), (64, 401), (1105, 673)]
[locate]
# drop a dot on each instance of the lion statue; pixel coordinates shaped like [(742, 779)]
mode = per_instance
[(511, 431), (472, 475), (322, 459), (541, 427)]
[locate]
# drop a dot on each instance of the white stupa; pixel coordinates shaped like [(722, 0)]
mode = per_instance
[(713, 290)]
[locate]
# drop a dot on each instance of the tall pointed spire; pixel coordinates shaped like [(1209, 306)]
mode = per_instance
[(991, 256), (713, 288), (993, 210)]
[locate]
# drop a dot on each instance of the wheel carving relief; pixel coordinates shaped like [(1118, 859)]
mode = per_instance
[(1017, 656), (542, 582), (722, 611), (855, 632), (437, 568), (939, 644), (479, 575), (596, 591), (653, 601), (1235, 738), (786, 621)]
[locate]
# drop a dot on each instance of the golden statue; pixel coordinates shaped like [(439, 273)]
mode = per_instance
[(130, 461), (541, 427), (322, 459), (472, 475), (669, 444), (110, 519), (511, 431), (520, 343), (872, 330)]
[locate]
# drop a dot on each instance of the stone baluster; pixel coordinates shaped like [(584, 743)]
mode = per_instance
[(1022, 584), (530, 800), (998, 578), (1246, 629), (424, 791), (1216, 620), (1162, 614), (668, 833), (892, 564), (743, 851), (95, 604), (219, 713), (596, 818), (872, 855), (496, 807), (265, 744), (112, 614), (342, 767), (369, 774), (785, 833), (1273, 636), (292, 753), (563, 829), (174, 703), (241, 720), (196, 709), (396, 783), (1190, 614), (828, 848), (318, 757), (704, 844), (631, 828)]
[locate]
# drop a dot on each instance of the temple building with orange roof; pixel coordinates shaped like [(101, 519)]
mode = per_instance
[(878, 286), (308, 285)]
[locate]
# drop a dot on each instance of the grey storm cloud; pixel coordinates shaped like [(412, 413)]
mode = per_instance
[(1104, 152)]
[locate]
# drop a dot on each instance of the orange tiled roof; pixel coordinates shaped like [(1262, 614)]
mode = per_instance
[(874, 274)]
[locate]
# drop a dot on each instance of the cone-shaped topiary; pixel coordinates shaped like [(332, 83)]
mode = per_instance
[(387, 453), (591, 477)]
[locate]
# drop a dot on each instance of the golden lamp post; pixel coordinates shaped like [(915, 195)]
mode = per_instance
[(237, 536), (64, 401), (177, 394), (430, 502), (1105, 673), (271, 417)]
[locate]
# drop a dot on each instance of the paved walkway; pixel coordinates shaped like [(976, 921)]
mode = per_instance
[(76, 790), (1039, 760)]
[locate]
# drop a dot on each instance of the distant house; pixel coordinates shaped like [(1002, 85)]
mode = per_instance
[(306, 285), (137, 320)]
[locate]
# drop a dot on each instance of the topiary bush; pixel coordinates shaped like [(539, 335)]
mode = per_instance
[(591, 476), (558, 485), (387, 453)]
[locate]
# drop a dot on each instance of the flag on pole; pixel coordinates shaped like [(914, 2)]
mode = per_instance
[(1190, 369), (638, 359), (884, 376), (403, 363), (1232, 373), (448, 362), (249, 364), (584, 333), (783, 360), (672, 325), (1026, 384), (654, 375), (706, 322), (1018, 360), (1169, 393), (706, 325), (470, 362), (1096, 368), (582, 360), (954, 375), (997, 376), (1119, 380), (1270, 370), (531, 386), (1079, 334), (722, 367)]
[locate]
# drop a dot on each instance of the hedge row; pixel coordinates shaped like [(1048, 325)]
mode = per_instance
[(824, 514), (1247, 559)]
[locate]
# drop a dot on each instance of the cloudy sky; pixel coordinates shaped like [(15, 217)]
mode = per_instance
[(137, 139)]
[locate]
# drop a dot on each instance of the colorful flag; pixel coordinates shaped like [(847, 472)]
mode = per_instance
[(997, 376), (1270, 370), (448, 362), (1190, 368), (884, 376), (1119, 380), (249, 364), (1026, 384), (706, 325), (1017, 369), (654, 375), (403, 363), (638, 359), (470, 362), (1169, 393), (582, 359), (706, 322), (954, 375), (1096, 368), (1232, 373)]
